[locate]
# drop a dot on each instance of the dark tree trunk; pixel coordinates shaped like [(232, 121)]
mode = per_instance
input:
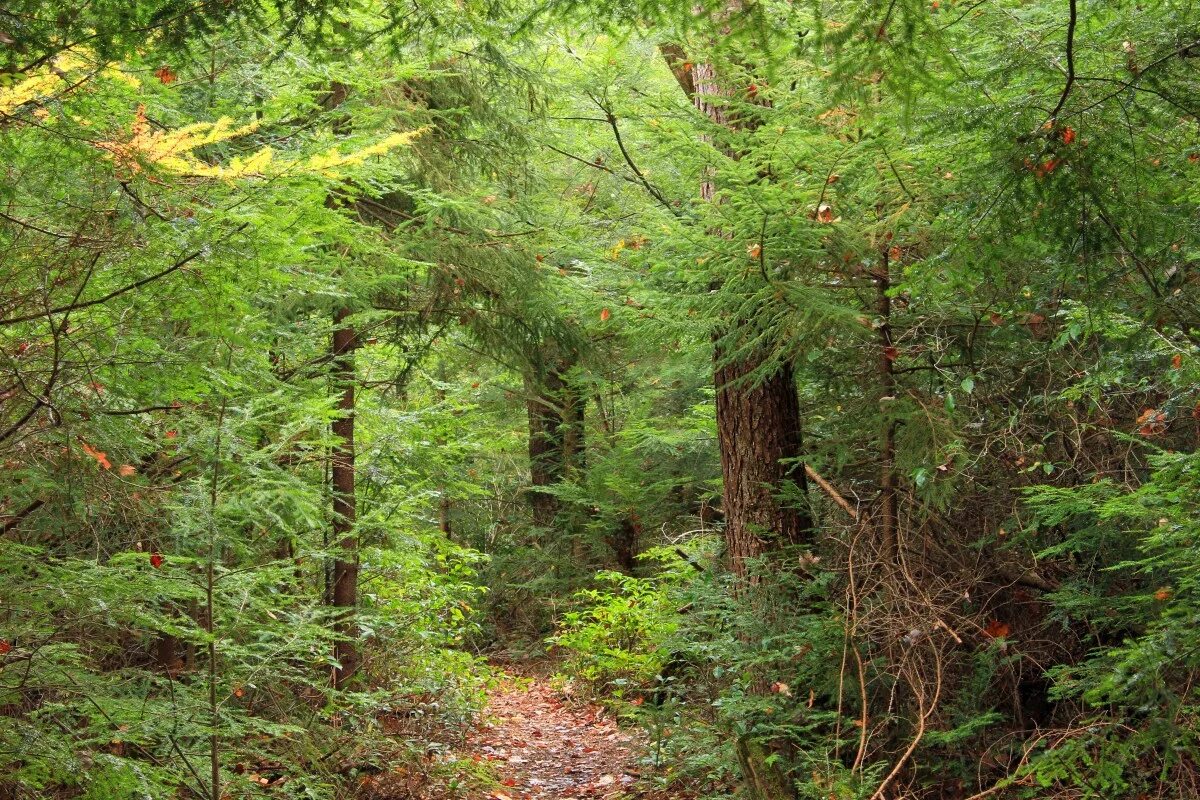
[(345, 567), (758, 432), (625, 545)]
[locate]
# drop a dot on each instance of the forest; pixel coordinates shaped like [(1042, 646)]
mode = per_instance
[(623, 399)]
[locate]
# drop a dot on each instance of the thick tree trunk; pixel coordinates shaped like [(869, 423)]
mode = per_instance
[(345, 567), (625, 543), (758, 432)]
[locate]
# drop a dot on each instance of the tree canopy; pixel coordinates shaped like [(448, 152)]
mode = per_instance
[(811, 384)]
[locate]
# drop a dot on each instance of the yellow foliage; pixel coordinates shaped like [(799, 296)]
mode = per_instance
[(173, 151), (26, 91), (55, 76)]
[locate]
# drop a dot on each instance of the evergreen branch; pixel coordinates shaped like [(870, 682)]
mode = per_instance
[(651, 188), (75, 305)]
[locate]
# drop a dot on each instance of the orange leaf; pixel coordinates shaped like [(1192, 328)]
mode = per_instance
[(165, 75), (125, 470), (1152, 422), (1176, 361), (754, 250), (100, 456), (996, 629), (1068, 135), (605, 314), (825, 213), (1162, 595)]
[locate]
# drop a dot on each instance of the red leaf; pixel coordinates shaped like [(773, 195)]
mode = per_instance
[(165, 75), (171, 434), (1068, 135), (891, 353), (156, 560), (1176, 361), (5, 647)]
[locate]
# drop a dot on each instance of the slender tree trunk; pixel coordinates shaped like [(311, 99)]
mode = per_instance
[(544, 405), (443, 497), (887, 380), (345, 567)]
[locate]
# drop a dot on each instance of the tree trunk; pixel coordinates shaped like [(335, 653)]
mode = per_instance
[(758, 433), (345, 567), (888, 534), (546, 435), (443, 496)]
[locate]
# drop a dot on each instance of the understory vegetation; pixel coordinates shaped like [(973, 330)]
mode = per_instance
[(814, 384)]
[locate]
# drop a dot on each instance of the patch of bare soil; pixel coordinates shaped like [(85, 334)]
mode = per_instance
[(544, 745)]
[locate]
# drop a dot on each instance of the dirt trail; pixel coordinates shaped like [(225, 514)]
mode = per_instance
[(545, 746)]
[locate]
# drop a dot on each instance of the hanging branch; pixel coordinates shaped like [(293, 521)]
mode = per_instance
[(1062, 100)]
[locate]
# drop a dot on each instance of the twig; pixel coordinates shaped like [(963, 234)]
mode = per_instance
[(827, 487)]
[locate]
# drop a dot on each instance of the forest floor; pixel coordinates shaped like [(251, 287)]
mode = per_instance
[(545, 745)]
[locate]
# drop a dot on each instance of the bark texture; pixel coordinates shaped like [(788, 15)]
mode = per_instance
[(758, 432)]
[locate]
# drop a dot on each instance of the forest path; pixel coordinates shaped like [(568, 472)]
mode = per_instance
[(546, 746)]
